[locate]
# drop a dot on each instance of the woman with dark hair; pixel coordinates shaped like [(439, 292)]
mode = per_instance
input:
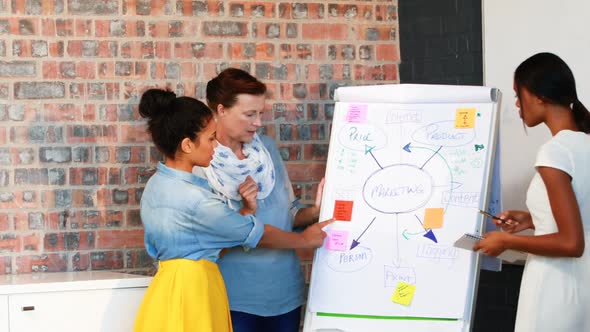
[(186, 225), (554, 295), (265, 286)]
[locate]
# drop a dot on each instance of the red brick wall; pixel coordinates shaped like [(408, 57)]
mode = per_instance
[(74, 154)]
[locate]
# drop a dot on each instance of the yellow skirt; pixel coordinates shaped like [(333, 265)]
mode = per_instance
[(185, 295)]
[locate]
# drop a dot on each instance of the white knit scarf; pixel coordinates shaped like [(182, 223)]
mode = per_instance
[(227, 172)]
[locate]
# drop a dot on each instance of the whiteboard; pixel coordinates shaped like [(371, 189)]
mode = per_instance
[(408, 167)]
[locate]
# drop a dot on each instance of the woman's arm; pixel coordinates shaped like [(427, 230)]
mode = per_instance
[(568, 241), (312, 237), (306, 216), (514, 221), (274, 237), (309, 215)]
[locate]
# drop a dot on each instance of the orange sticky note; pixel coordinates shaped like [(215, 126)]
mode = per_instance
[(404, 293), (343, 210), (433, 217), (465, 118)]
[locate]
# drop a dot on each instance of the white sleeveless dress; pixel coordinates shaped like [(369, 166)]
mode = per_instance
[(555, 291)]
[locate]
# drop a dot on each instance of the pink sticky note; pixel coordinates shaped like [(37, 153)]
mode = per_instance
[(357, 113), (337, 240)]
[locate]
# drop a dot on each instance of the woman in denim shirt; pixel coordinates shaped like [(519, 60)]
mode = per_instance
[(186, 225), (265, 286)]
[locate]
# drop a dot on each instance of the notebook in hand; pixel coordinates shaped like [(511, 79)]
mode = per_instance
[(467, 241)]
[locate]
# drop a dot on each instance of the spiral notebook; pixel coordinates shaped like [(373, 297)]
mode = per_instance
[(467, 241)]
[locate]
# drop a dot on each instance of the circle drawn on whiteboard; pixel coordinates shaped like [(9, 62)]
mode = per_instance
[(398, 188), (349, 260), (444, 133), (357, 137)]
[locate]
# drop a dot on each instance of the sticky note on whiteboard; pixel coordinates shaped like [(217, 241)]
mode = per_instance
[(343, 210), (465, 118), (404, 293), (357, 113), (433, 217), (337, 240)]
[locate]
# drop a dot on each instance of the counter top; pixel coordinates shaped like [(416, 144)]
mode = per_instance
[(69, 281)]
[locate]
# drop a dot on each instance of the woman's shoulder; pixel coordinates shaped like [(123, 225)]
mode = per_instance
[(275, 154), (568, 140), (572, 136), (564, 150), (165, 190), (271, 146), (268, 141)]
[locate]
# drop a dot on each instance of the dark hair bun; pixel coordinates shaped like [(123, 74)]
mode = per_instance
[(155, 102)]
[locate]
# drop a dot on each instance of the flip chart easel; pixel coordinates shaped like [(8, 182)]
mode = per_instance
[(408, 168)]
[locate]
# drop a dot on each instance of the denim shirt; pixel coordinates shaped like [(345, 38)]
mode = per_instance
[(182, 218), (266, 282)]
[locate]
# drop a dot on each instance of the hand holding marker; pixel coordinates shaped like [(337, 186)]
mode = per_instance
[(487, 214)]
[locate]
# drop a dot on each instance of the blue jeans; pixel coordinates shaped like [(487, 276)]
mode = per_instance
[(288, 322)]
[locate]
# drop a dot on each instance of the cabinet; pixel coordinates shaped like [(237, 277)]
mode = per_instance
[(98, 301)]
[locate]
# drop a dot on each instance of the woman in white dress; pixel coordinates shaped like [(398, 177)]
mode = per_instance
[(554, 293)]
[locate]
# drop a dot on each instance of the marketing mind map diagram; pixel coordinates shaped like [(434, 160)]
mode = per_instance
[(403, 182)]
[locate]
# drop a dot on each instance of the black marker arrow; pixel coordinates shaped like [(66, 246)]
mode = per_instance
[(420, 221), (356, 242), (371, 153), (431, 157)]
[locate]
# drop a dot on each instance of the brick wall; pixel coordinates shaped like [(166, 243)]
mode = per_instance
[(74, 154)]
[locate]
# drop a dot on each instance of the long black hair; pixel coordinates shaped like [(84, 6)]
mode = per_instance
[(172, 119), (548, 77)]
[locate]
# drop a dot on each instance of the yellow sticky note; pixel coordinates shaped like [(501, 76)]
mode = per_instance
[(404, 293), (433, 218), (465, 118)]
